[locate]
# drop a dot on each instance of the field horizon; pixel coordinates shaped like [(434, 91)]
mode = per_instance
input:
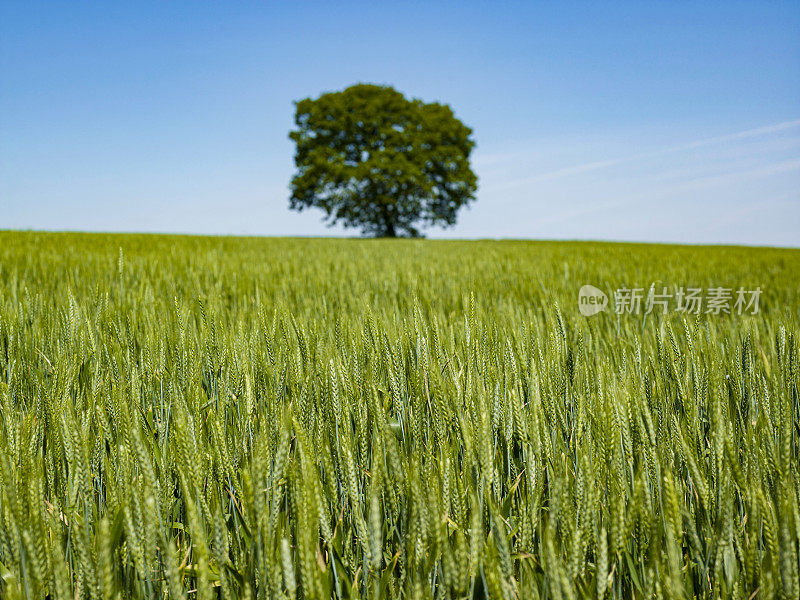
[(422, 238)]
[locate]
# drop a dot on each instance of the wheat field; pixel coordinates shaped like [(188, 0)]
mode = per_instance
[(216, 417)]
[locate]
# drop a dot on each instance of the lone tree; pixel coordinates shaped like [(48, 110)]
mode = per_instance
[(371, 158)]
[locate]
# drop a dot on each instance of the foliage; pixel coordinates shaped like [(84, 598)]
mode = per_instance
[(370, 158), (204, 417)]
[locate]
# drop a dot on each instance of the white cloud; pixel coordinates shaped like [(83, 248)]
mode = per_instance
[(596, 165)]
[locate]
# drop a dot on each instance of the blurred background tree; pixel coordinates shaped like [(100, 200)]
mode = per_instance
[(375, 160)]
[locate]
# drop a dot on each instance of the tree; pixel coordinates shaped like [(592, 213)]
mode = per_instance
[(373, 159)]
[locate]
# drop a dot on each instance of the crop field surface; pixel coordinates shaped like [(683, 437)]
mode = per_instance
[(221, 417)]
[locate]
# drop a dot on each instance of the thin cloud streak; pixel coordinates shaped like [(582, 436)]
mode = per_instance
[(698, 184), (748, 133), (603, 164)]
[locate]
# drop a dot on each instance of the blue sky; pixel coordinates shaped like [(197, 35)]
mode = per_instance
[(631, 121)]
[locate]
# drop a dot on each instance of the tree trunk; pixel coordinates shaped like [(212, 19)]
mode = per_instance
[(388, 219)]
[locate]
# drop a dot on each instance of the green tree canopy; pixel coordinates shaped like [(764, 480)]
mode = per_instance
[(373, 159)]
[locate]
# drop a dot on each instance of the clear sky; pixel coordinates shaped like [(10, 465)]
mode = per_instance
[(655, 121)]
